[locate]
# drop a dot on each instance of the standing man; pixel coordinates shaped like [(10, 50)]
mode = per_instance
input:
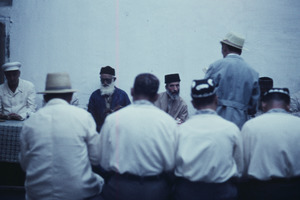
[(237, 83), (209, 152), (138, 146), (108, 98), (17, 96), (271, 150), (58, 145), (170, 101)]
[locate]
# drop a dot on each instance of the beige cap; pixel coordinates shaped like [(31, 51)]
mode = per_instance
[(11, 66), (58, 83), (234, 40)]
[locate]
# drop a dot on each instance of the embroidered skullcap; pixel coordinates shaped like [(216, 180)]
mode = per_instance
[(203, 88)]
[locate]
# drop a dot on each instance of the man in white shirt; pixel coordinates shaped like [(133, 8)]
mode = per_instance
[(17, 96), (138, 146), (58, 145), (209, 153), (271, 150)]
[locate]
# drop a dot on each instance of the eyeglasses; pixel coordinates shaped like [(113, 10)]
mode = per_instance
[(107, 80)]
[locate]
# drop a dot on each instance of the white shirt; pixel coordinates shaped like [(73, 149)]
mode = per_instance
[(21, 102), (209, 148), (58, 145), (271, 145), (139, 139)]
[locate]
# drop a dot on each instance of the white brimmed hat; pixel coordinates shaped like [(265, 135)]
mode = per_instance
[(58, 83), (234, 40), (11, 66)]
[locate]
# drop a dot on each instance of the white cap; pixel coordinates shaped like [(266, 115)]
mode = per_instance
[(11, 66)]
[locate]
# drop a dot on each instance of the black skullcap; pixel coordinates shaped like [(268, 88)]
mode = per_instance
[(169, 78), (107, 70), (265, 82), (203, 88)]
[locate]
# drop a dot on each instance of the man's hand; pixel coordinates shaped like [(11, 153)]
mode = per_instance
[(15, 116)]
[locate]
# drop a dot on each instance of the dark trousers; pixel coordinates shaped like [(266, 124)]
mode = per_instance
[(275, 189), (187, 190), (131, 187)]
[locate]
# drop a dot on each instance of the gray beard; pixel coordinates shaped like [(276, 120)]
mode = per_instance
[(173, 96), (108, 90)]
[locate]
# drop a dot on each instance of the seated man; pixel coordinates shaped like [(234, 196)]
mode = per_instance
[(108, 98), (138, 146), (170, 101), (58, 145), (17, 96), (209, 152), (271, 150)]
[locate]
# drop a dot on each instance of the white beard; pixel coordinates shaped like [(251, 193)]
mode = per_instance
[(107, 90)]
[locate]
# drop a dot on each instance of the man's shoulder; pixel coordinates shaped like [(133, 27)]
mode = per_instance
[(26, 83), (120, 91)]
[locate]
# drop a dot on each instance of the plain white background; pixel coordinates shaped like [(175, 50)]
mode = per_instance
[(160, 37)]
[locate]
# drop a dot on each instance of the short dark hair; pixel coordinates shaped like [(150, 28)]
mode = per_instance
[(64, 96), (233, 49), (146, 84), (204, 101), (271, 97)]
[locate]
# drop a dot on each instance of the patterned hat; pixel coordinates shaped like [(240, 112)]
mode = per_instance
[(107, 70), (284, 91), (203, 88), (169, 78)]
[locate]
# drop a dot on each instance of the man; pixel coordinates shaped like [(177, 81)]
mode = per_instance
[(265, 83), (108, 98), (209, 152), (238, 88), (58, 145), (271, 150), (170, 101), (138, 146), (17, 96)]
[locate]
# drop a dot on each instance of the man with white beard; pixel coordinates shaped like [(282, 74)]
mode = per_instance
[(170, 101), (108, 98)]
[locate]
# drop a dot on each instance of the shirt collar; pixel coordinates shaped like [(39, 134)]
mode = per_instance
[(206, 111), (56, 101), (142, 102), (277, 110), (18, 89)]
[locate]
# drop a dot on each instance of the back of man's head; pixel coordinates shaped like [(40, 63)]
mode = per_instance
[(145, 87), (276, 98), (203, 93)]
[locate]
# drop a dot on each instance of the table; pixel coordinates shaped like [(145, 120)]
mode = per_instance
[(10, 140)]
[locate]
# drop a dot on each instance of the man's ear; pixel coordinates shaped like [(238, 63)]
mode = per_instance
[(132, 92), (155, 97), (264, 106)]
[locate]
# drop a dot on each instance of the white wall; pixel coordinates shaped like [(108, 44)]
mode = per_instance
[(160, 37)]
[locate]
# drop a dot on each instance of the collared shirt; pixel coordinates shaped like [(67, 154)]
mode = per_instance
[(271, 145), (139, 139), (21, 102), (209, 148), (58, 145)]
